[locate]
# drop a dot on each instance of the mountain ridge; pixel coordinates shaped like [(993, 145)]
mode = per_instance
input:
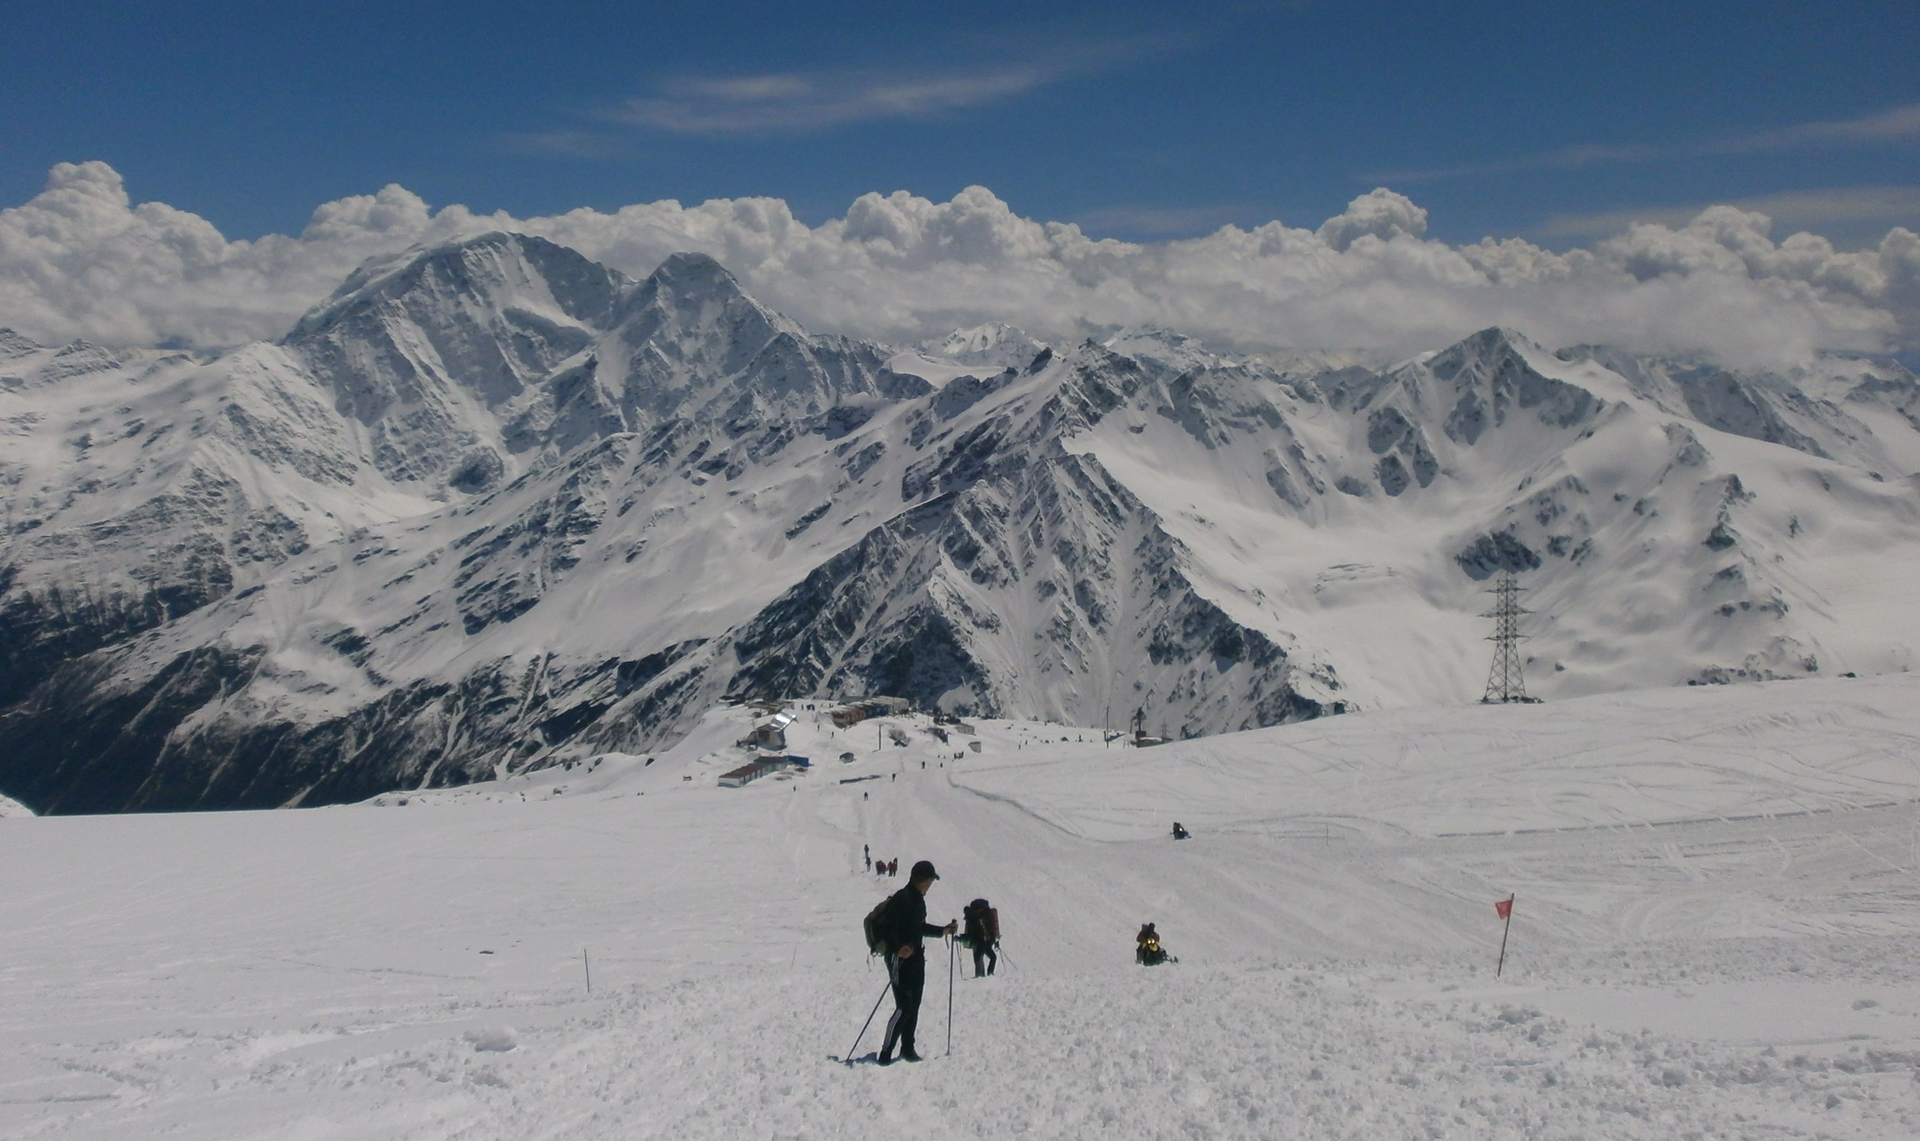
[(493, 505)]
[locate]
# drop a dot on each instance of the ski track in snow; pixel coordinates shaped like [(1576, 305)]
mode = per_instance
[(1715, 936)]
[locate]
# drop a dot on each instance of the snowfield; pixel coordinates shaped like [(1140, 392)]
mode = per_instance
[(1716, 935)]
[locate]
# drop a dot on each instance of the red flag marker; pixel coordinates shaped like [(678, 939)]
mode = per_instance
[(1504, 909)]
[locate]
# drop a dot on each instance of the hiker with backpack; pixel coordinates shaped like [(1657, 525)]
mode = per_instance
[(983, 935), (895, 929)]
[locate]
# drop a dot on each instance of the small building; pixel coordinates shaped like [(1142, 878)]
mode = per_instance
[(761, 766), (767, 735), (746, 774), (854, 712)]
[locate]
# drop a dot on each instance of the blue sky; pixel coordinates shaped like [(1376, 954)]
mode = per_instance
[(1552, 121)]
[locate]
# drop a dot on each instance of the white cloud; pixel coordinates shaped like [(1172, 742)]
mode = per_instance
[(1162, 221), (81, 260), (1868, 211), (1380, 213), (800, 102)]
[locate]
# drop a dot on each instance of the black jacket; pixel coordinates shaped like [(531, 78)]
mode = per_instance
[(904, 922), (977, 934)]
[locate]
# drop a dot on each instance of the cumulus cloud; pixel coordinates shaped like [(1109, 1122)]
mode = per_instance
[(82, 260), (1856, 212)]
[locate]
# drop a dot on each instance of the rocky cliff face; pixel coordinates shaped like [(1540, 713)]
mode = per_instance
[(493, 505)]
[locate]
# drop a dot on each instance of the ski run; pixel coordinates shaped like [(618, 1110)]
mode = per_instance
[(1716, 934)]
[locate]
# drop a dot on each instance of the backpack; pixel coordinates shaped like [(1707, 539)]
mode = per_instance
[(985, 919), (876, 939)]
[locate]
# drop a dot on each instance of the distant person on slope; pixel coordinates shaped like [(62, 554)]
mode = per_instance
[(983, 935), (1179, 831), (1148, 952), (902, 926)]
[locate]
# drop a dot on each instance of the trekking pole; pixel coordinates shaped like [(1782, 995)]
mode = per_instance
[(953, 953), (848, 1058)]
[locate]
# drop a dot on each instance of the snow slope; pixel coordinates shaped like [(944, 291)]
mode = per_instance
[(1714, 936)]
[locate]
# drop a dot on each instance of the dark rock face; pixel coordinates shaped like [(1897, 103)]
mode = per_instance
[(1494, 379), (80, 743), (1491, 554), (40, 631), (1722, 400)]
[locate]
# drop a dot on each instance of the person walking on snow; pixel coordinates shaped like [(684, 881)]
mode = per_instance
[(866, 850), (902, 926), (983, 935)]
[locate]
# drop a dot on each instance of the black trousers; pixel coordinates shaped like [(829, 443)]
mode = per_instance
[(909, 982), (984, 951)]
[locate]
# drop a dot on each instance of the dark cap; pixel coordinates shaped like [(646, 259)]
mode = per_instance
[(924, 871)]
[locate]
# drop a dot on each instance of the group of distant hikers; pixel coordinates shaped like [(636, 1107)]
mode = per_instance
[(897, 928), (880, 867)]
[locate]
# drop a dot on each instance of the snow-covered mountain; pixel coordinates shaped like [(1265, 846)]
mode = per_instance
[(491, 505)]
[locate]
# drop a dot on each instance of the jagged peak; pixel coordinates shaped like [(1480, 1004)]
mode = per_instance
[(690, 280), (690, 268), (1472, 355), (576, 281), (995, 344), (1167, 348), (13, 344), (1492, 340)]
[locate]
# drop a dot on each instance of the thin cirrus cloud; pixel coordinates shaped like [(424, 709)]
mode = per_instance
[(799, 103), (568, 142), (803, 102), (1894, 125)]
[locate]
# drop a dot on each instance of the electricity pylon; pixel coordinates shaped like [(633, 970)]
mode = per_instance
[(1505, 681)]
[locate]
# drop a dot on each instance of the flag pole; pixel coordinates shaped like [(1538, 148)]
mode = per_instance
[(1507, 914)]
